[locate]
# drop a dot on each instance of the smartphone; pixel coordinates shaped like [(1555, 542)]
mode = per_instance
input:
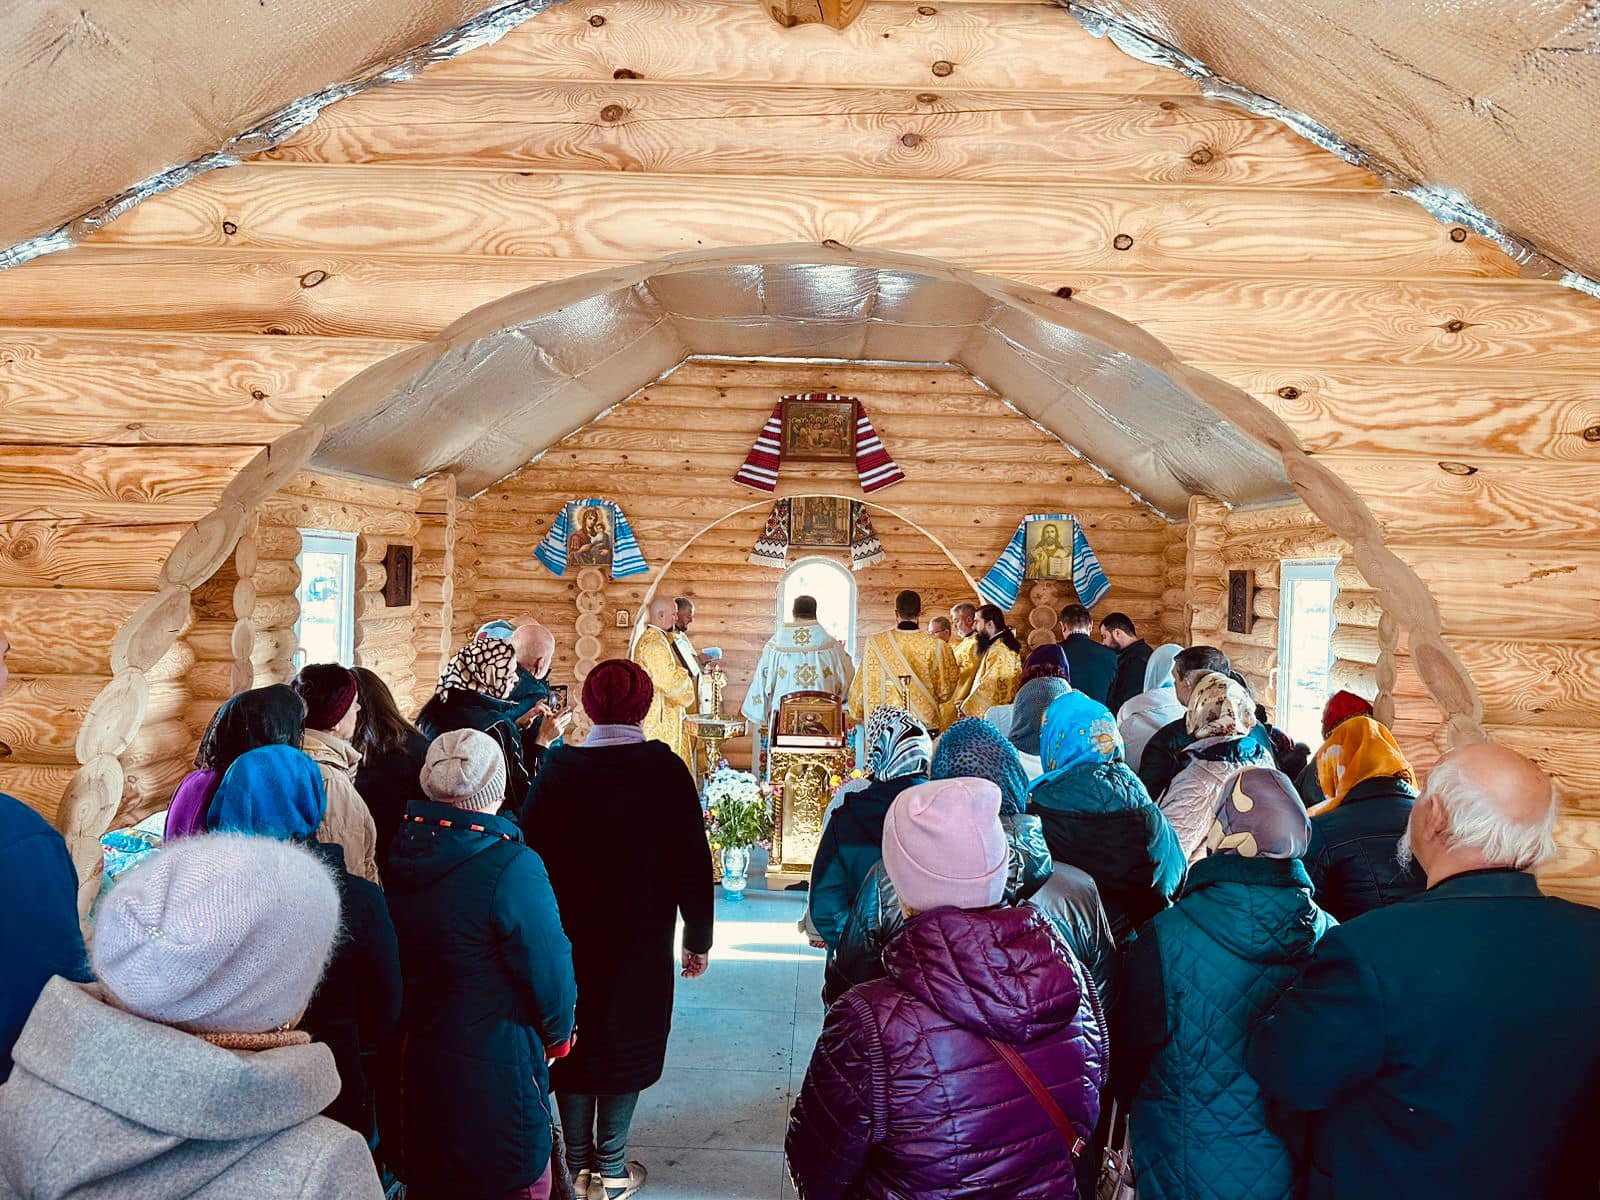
[(557, 700)]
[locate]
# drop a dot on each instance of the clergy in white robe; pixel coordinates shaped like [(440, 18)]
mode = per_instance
[(801, 657)]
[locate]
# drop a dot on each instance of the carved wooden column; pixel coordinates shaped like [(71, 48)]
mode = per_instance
[(591, 622)]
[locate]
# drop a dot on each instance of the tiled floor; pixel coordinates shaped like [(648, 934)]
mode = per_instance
[(712, 1129)]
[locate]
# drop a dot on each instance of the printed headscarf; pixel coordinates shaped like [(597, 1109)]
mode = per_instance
[(273, 791), (488, 667), (1158, 671), (974, 749), (1341, 706), (1077, 730), (1358, 750), (1219, 707), (1028, 709), (1260, 816), (897, 744), (1046, 662)]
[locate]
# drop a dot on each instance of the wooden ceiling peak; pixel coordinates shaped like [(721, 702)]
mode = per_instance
[(835, 13)]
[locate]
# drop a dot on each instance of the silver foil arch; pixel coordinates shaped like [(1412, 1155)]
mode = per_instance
[(494, 390)]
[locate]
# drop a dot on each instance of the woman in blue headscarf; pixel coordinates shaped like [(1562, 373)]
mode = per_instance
[(1098, 817), (278, 792), (898, 755)]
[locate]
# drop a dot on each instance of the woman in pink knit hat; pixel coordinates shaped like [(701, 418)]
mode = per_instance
[(974, 1067)]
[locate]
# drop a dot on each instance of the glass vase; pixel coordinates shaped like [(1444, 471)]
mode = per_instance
[(735, 871)]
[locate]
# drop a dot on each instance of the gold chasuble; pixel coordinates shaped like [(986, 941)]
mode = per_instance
[(921, 656), (675, 690), (966, 652), (999, 674)]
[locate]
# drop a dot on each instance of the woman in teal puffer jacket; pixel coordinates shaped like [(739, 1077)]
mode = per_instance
[(1197, 981), (1098, 817)]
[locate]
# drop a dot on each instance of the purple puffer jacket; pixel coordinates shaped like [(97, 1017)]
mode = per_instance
[(906, 1098)]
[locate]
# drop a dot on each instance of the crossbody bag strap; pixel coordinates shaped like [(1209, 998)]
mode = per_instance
[(1042, 1094)]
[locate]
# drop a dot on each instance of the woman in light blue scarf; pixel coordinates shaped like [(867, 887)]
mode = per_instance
[(1098, 817), (1155, 707)]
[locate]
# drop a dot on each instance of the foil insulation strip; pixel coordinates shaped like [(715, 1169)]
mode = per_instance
[(1447, 205), (511, 379), (485, 29)]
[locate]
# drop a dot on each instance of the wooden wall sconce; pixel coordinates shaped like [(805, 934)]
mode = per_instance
[(1241, 601), (836, 13), (397, 577)]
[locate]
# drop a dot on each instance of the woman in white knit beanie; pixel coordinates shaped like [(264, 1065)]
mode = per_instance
[(181, 1072)]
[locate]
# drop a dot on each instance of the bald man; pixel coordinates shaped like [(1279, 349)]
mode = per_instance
[(1448, 1046), (675, 686), (535, 647)]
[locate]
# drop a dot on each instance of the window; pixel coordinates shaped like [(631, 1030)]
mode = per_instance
[(325, 631), (1305, 646), (834, 588)]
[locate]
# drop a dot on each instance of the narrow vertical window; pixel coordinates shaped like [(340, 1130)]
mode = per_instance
[(325, 630), (1305, 645)]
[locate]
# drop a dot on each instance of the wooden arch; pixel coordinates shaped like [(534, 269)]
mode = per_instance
[(115, 716)]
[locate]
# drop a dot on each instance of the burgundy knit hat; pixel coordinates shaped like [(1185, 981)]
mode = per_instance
[(1341, 707), (328, 691), (617, 692)]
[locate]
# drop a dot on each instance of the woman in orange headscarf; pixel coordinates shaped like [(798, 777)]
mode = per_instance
[(1370, 788)]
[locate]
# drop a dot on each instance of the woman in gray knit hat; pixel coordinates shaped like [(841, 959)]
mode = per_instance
[(181, 1072)]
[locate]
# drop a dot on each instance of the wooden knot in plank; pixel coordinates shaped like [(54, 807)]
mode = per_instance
[(943, 68)]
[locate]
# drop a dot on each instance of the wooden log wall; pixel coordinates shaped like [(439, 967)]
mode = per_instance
[(141, 372), (1220, 541), (973, 469), (385, 638)]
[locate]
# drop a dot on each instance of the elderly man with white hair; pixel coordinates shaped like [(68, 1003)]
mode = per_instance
[(1448, 1046)]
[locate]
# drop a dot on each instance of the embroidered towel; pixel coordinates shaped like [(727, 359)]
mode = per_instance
[(626, 557), (772, 547), (1003, 582), (875, 470)]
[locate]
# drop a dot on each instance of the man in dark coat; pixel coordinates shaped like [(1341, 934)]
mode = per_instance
[(1447, 1046), (39, 935), (1092, 665), (1163, 753), (1133, 653)]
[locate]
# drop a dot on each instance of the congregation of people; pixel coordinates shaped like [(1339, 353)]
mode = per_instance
[(1093, 924), (1088, 916)]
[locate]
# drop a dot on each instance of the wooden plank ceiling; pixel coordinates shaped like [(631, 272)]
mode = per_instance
[(996, 136)]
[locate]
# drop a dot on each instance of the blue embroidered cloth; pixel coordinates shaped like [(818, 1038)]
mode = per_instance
[(1002, 584), (600, 543)]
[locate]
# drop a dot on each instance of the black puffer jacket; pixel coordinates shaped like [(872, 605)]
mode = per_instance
[(356, 1011), (1352, 855), (465, 709), (875, 916)]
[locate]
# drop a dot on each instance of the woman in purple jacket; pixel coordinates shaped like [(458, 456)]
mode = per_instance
[(264, 716), (974, 1068)]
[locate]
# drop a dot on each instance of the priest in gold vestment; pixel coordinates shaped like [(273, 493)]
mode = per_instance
[(926, 662), (964, 644), (675, 686), (999, 664)]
